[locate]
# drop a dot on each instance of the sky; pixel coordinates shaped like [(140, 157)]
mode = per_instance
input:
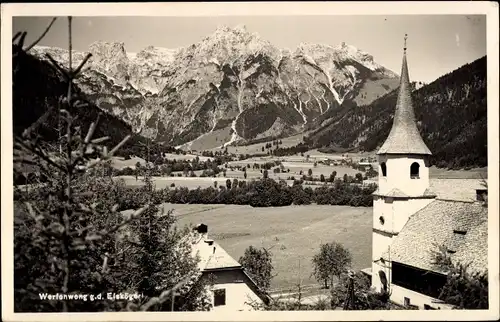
[(437, 44)]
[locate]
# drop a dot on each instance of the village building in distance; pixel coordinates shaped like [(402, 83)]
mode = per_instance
[(410, 221), (233, 289)]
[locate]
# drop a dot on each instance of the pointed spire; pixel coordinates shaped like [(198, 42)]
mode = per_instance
[(404, 137)]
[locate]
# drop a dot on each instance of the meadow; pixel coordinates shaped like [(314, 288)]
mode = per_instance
[(257, 148), (205, 182), (294, 233)]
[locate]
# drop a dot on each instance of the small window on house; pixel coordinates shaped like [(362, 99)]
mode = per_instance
[(383, 167), (415, 170), (381, 219), (407, 301), (220, 297)]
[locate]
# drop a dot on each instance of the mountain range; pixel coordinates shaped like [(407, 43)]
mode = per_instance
[(230, 87)]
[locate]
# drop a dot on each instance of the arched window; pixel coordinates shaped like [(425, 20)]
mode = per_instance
[(383, 279), (415, 170), (384, 169)]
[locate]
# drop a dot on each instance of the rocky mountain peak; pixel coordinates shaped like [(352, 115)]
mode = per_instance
[(231, 85), (111, 59), (228, 45), (158, 55), (104, 49)]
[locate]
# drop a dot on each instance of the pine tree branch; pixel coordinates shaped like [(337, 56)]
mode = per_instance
[(165, 295)]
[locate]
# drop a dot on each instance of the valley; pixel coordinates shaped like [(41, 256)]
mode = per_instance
[(273, 149), (294, 233), (235, 91)]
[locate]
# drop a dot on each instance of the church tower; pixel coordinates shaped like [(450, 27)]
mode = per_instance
[(403, 180)]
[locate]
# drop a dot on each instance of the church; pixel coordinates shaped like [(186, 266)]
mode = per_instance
[(410, 220)]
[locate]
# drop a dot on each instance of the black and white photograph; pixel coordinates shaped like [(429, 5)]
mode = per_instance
[(205, 161)]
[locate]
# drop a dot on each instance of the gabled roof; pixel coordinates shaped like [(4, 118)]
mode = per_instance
[(212, 256), (445, 189), (456, 189), (397, 193), (434, 225), (404, 137)]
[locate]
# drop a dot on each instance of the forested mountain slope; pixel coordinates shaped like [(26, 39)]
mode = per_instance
[(37, 86), (451, 114)]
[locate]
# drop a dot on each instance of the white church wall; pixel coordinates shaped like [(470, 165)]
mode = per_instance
[(382, 208), (380, 244)]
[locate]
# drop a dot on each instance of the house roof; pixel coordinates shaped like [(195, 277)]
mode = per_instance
[(456, 189), (212, 256), (433, 226), (404, 137), (445, 189)]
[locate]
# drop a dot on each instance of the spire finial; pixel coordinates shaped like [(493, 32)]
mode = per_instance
[(406, 37)]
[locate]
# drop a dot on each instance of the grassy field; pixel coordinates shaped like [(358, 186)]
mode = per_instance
[(205, 182), (163, 182), (257, 148), (294, 232), (120, 163)]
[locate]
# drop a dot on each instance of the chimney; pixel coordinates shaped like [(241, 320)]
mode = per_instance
[(202, 229)]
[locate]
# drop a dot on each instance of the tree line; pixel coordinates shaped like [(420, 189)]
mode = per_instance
[(263, 192)]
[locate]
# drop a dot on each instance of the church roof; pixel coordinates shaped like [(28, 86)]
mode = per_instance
[(461, 227), (404, 137), (397, 193)]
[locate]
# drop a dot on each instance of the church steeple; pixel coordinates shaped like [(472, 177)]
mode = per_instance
[(403, 183), (404, 137)]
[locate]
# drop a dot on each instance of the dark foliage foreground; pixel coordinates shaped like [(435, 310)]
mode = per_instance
[(73, 249)]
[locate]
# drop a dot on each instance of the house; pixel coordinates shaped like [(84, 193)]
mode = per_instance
[(365, 165), (233, 289), (411, 220)]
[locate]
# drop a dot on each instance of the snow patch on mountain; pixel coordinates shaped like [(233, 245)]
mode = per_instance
[(181, 94)]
